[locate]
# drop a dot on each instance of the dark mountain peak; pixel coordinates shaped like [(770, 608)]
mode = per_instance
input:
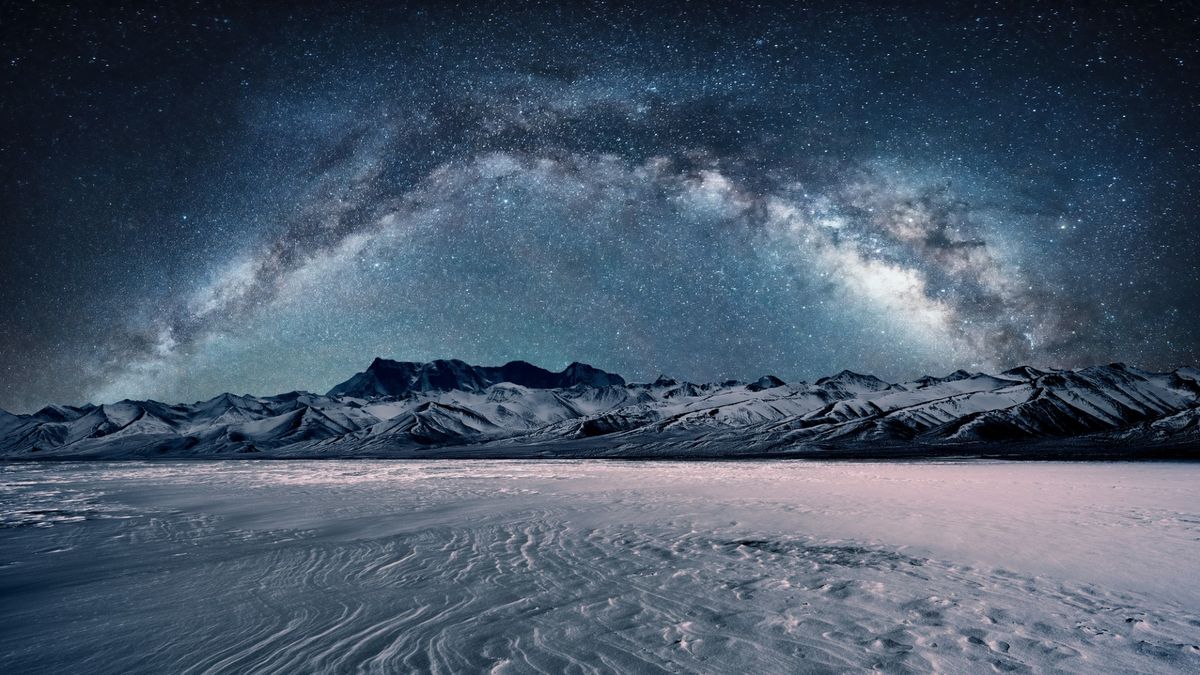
[(1024, 373), (387, 365), (849, 377), (397, 378), (842, 376), (292, 395), (523, 373), (58, 413), (1113, 372), (765, 382), (663, 381), (581, 373), (957, 375), (233, 399)]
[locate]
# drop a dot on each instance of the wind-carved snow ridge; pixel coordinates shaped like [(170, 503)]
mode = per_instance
[(451, 408), (597, 567)]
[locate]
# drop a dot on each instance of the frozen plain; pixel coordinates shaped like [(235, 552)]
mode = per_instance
[(595, 566)]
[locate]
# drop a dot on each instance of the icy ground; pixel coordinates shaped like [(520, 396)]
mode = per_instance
[(590, 566)]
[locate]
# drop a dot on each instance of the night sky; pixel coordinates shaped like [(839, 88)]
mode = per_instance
[(260, 197)]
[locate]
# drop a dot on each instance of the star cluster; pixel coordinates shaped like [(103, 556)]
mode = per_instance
[(222, 196)]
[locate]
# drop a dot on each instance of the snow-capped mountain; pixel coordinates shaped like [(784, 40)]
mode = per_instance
[(451, 408)]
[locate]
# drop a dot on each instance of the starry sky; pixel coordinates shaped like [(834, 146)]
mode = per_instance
[(260, 197)]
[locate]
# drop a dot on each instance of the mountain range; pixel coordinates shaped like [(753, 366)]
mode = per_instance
[(448, 408)]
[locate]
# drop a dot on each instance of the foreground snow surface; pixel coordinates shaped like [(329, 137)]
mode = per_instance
[(589, 566)]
